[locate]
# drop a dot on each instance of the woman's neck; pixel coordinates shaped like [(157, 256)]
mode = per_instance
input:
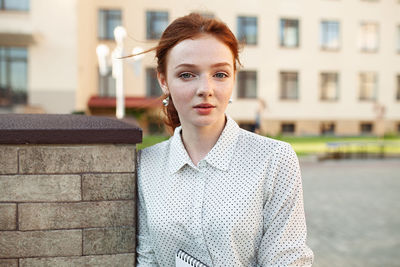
[(198, 141)]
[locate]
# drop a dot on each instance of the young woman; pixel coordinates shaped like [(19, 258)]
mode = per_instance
[(226, 196)]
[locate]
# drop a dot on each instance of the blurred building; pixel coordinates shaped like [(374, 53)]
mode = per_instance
[(38, 56), (309, 67)]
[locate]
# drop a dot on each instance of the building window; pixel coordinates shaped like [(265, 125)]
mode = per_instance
[(327, 128), (398, 39), (368, 85), (329, 35), (106, 85), (21, 5), (366, 128), (289, 85), (247, 30), (247, 84), (289, 33), (398, 88), (108, 20), (153, 88), (329, 86), (13, 76), (288, 128), (369, 37), (156, 22)]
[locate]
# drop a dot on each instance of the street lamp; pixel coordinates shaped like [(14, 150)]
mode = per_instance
[(102, 52), (118, 70)]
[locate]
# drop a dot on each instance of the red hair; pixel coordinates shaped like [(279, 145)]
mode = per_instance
[(187, 27)]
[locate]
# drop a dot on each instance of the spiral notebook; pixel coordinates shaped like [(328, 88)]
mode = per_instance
[(184, 259)]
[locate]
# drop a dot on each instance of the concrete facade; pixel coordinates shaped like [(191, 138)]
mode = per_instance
[(63, 62), (268, 58), (52, 53)]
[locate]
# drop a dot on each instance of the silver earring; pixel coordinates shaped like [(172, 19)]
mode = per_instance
[(230, 100), (166, 101)]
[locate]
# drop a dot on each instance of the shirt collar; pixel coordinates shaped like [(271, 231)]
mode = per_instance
[(220, 155)]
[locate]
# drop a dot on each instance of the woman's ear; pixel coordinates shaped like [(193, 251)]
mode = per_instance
[(162, 80)]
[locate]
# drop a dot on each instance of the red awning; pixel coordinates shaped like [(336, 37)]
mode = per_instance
[(130, 102)]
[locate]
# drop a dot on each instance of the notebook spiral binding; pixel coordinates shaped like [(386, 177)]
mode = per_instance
[(189, 259)]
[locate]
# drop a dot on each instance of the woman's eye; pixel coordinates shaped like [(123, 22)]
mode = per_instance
[(221, 75), (186, 75)]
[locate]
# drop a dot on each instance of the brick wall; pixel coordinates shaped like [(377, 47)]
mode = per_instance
[(67, 204)]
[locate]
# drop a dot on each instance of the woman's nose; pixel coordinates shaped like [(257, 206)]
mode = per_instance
[(205, 87)]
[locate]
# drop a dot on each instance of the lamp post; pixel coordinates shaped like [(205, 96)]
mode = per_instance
[(117, 66), (103, 52), (118, 70)]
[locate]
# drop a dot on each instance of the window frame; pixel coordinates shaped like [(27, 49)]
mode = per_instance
[(398, 87), (323, 37), (292, 132), (105, 24), (374, 90), (283, 96), (363, 37), (365, 124), (282, 43), (104, 81), (26, 8), (327, 128), (10, 94), (150, 34), (242, 78), (398, 38), (321, 88), (151, 81), (242, 35)]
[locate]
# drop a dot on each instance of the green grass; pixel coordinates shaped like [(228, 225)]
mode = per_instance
[(150, 140), (312, 145), (318, 144)]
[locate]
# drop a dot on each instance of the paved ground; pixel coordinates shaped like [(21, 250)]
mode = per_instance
[(353, 212)]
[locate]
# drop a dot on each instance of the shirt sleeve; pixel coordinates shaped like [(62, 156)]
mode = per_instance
[(144, 250), (285, 232)]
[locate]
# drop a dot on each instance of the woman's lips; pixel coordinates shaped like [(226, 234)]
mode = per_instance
[(204, 108)]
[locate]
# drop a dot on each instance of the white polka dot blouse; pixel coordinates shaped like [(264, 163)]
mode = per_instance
[(242, 205)]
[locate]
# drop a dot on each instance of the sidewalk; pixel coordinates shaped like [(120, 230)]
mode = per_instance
[(352, 210)]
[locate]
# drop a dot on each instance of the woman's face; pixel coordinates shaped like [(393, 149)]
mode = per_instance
[(199, 78)]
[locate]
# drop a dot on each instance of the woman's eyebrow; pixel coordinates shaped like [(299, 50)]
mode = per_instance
[(187, 65)]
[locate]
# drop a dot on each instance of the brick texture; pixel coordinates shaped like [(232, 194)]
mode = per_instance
[(8, 159), (108, 241), (108, 186), (121, 260), (8, 216), (36, 216), (9, 263), (77, 159), (40, 243), (40, 188)]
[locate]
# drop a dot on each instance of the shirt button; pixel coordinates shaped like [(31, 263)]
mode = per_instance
[(199, 240)]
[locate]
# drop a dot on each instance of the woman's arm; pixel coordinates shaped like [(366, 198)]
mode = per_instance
[(283, 242)]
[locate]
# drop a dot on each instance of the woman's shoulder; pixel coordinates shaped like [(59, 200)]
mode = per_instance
[(154, 150), (266, 144)]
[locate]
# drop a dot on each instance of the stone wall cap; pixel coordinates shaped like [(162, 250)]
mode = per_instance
[(66, 129)]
